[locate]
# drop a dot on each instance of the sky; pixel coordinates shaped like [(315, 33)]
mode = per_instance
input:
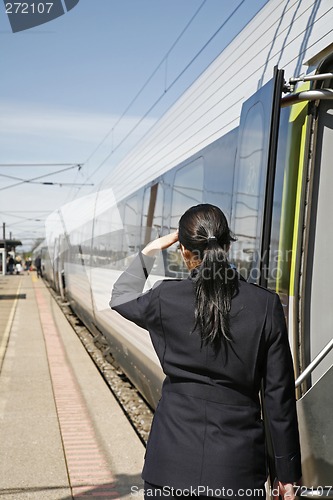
[(79, 87)]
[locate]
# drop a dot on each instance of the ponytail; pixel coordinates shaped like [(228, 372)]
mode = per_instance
[(215, 285), (203, 229)]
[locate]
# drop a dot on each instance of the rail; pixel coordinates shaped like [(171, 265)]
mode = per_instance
[(310, 78), (309, 369), (307, 95)]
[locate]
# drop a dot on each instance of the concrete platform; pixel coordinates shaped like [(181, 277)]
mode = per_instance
[(62, 434)]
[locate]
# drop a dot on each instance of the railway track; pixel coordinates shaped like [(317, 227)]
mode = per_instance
[(136, 409)]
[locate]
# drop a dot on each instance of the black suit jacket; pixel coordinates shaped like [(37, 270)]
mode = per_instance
[(207, 429)]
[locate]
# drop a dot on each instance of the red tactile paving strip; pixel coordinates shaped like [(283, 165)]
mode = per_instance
[(88, 470)]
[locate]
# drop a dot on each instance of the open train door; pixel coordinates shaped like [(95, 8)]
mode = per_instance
[(311, 281), (254, 179)]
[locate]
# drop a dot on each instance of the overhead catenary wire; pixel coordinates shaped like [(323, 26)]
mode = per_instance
[(165, 91), (25, 211), (129, 106), (64, 183), (10, 224), (34, 180), (37, 164), (21, 217), (228, 77), (29, 181), (147, 149), (23, 181), (39, 215), (164, 59)]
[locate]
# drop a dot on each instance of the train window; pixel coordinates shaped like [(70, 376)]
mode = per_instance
[(132, 230), (219, 171), (248, 193), (248, 220), (108, 232), (284, 199), (152, 214), (187, 191), (152, 222), (80, 244)]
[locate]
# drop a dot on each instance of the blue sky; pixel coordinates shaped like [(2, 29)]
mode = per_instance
[(65, 84)]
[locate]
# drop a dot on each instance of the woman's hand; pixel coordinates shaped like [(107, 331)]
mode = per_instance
[(160, 244), (284, 490)]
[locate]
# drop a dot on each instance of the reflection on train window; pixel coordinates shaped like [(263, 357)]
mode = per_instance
[(108, 230), (284, 198), (219, 172), (152, 213), (152, 222), (247, 204), (80, 244), (117, 233), (108, 237), (187, 191), (131, 239)]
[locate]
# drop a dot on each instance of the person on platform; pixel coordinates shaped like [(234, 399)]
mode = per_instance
[(28, 264), (38, 266), (218, 338), (11, 264), (18, 267)]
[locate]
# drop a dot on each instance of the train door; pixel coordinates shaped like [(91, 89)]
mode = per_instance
[(255, 169), (313, 277), (60, 269)]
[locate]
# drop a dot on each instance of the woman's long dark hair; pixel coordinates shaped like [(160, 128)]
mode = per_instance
[(204, 230)]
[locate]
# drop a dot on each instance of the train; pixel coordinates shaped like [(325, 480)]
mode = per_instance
[(254, 136)]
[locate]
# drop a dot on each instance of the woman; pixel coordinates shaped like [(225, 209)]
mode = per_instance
[(217, 338)]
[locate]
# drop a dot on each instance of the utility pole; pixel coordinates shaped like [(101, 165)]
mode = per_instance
[(3, 253)]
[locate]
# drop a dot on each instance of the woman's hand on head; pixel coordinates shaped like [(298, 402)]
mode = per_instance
[(160, 244)]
